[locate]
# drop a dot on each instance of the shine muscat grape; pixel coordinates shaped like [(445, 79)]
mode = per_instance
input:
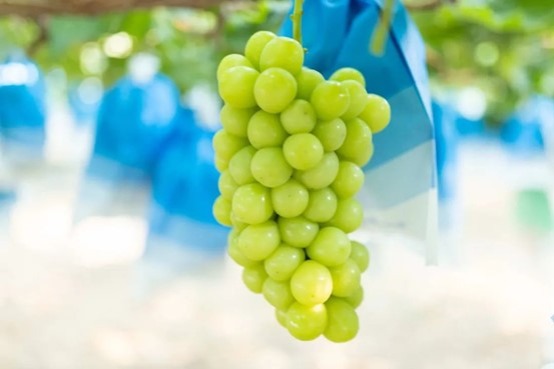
[(290, 155)]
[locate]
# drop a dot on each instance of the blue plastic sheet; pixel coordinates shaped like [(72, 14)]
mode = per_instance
[(184, 190), (446, 137), (401, 175), (22, 106)]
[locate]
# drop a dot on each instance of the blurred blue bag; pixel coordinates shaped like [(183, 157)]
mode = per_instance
[(399, 192), (184, 190), (446, 137), (22, 108)]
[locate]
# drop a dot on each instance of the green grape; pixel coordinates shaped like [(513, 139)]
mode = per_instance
[(307, 80), (331, 247), (298, 117), (331, 133), (330, 100), (220, 163), (360, 255), (282, 317), (234, 251), (349, 215), (234, 120), (258, 241), (306, 323), (226, 184), (356, 298), (265, 130), (255, 45), (376, 113), (311, 283), (282, 52), (222, 210), (346, 278), (226, 145), (349, 180), (346, 74), (290, 199), (236, 86), (274, 90), (254, 277), (277, 293), (230, 61), (270, 168), (322, 175), (322, 205), (342, 321), (303, 151), (358, 99), (239, 166), (297, 231), (283, 262), (238, 225), (252, 204), (357, 146)]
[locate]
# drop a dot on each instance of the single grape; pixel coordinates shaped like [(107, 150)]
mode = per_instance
[(270, 168), (254, 277), (252, 204), (346, 74), (303, 151), (236, 86), (360, 255), (226, 184), (358, 99), (376, 113), (234, 251), (322, 175), (239, 166), (356, 298), (277, 293), (357, 146), (298, 117), (258, 241), (297, 231), (265, 130), (306, 323), (331, 133), (322, 205), (226, 145), (349, 215), (230, 61), (282, 317), (342, 321), (283, 262), (282, 52), (290, 199), (331, 247), (311, 283), (307, 80), (222, 210), (346, 278), (255, 45), (234, 120), (274, 90), (220, 163), (349, 180), (330, 100)]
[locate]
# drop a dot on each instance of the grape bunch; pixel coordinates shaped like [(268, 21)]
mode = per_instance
[(290, 155)]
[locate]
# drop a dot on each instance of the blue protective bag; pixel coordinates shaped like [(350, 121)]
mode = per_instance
[(183, 191), (446, 141), (399, 192), (22, 108)]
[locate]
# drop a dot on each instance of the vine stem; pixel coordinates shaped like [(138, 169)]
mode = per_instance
[(382, 29), (296, 18)]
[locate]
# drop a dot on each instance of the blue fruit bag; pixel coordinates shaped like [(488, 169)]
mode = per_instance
[(183, 191), (399, 194), (22, 108)]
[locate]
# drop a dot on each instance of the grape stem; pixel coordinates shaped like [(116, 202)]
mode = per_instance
[(296, 18), (382, 29)]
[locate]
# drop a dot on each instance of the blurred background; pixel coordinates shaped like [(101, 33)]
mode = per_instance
[(107, 110)]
